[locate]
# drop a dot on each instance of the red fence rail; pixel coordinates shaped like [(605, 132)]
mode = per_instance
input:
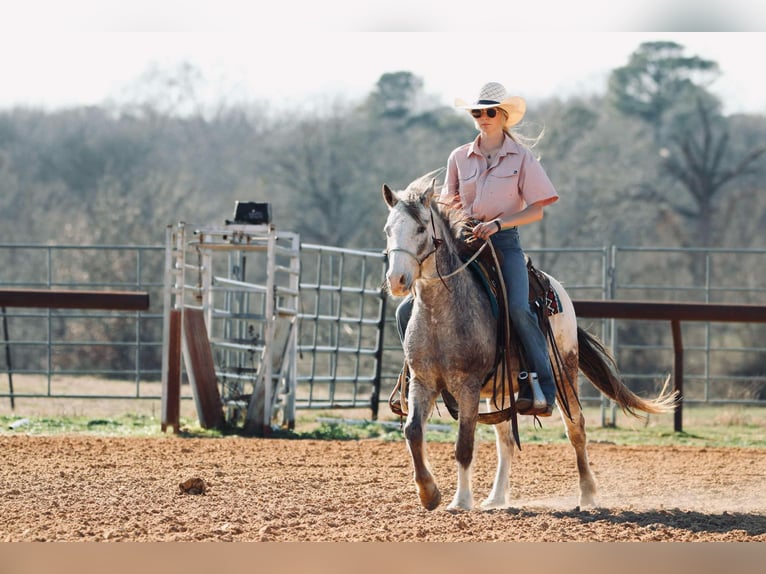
[(75, 299)]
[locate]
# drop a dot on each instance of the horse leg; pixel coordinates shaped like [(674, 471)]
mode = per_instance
[(468, 417), (575, 429), (498, 497), (420, 404)]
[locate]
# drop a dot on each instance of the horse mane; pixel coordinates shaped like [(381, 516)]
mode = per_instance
[(449, 213)]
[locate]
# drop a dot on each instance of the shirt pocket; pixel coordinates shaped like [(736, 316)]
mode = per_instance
[(468, 175), (503, 179), (505, 171)]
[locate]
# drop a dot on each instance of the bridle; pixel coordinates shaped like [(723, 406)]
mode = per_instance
[(420, 260), (437, 242)]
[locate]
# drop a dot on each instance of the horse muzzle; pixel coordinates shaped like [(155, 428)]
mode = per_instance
[(399, 284)]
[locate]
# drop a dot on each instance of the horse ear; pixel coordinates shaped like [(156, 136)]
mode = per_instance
[(428, 194), (389, 196)]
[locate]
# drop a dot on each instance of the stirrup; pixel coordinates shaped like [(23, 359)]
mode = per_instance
[(398, 406), (537, 411)]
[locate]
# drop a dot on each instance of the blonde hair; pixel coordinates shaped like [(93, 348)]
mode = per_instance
[(520, 138)]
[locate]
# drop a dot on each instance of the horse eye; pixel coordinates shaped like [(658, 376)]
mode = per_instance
[(421, 228)]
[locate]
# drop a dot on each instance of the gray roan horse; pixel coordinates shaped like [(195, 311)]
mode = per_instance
[(450, 344)]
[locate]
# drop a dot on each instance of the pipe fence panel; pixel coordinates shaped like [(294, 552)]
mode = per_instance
[(724, 361), (341, 328), (349, 354), (48, 350)]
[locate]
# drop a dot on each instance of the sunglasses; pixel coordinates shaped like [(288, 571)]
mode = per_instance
[(491, 112)]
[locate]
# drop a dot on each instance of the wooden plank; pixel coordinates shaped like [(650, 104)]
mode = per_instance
[(200, 367), (171, 384), (671, 311), (69, 299)]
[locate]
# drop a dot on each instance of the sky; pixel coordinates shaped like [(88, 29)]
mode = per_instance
[(88, 52)]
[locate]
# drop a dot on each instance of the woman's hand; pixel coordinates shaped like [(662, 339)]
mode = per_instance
[(485, 229)]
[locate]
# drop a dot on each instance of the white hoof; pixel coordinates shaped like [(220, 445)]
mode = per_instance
[(492, 503), (460, 504)]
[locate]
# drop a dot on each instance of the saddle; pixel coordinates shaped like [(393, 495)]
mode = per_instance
[(542, 295)]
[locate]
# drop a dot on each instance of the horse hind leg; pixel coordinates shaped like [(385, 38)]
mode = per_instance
[(576, 433), (575, 429), (498, 497), (421, 401)]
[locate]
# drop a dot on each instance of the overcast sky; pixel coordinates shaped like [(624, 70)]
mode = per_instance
[(81, 52)]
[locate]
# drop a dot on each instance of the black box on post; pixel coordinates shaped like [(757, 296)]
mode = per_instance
[(251, 213)]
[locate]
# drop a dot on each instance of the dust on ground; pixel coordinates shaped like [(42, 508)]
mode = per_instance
[(92, 488)]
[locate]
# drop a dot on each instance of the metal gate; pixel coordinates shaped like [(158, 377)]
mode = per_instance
[(230, 308), (257, 341)]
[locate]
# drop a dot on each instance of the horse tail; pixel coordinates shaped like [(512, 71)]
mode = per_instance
[(599, 366)]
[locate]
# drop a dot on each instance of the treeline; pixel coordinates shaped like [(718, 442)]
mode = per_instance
[(652, 161)]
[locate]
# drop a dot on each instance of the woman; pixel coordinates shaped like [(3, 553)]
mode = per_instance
[(496, 180)]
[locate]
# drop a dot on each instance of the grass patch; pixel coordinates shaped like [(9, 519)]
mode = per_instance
[(704, 426), (126, 425)]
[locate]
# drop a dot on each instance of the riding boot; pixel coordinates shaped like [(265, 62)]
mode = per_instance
[(524, 400), (524, 406)]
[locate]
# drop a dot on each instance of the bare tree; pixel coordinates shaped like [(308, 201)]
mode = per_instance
[(700, 162)]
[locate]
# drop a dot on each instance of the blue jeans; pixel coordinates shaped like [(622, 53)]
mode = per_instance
[(524, 320)]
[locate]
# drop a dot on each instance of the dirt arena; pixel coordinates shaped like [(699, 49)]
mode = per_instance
[(84, 488)]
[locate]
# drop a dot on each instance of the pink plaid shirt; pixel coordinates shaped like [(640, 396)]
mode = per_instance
[(514, 180)]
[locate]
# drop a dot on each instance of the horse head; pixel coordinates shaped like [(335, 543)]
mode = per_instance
[(409, 233)]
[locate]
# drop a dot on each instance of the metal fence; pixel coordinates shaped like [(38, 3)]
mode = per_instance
[(341, 328), (47, 351), (347, 339), (724, 362)]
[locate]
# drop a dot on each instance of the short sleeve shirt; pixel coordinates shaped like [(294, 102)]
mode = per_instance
[(513, 180)]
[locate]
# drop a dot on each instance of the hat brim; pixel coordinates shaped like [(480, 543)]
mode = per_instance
[(515, 107)]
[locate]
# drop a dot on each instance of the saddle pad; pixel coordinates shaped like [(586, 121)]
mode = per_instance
[(541, 292), (539, 288), (480, 271), (552, 302)]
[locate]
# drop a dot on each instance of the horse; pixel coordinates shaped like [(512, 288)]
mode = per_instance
[(450, 345)]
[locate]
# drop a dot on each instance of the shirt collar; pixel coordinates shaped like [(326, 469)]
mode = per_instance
[(509, 146)]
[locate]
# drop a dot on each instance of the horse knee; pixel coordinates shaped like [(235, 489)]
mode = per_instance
[(464, 450), (413, 431), (575, 430)]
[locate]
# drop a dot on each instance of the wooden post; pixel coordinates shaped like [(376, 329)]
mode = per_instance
[(8, 362), (171, 380), (678, 375), (675, 312)]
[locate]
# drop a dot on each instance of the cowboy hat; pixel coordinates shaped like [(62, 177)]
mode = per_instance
[(494, 95)]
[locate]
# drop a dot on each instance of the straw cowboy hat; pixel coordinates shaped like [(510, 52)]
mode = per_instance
[(494, 95)]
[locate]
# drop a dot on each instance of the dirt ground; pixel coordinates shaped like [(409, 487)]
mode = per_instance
[(84, 488)]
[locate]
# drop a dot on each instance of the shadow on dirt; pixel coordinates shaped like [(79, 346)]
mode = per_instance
[(692, 521)]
